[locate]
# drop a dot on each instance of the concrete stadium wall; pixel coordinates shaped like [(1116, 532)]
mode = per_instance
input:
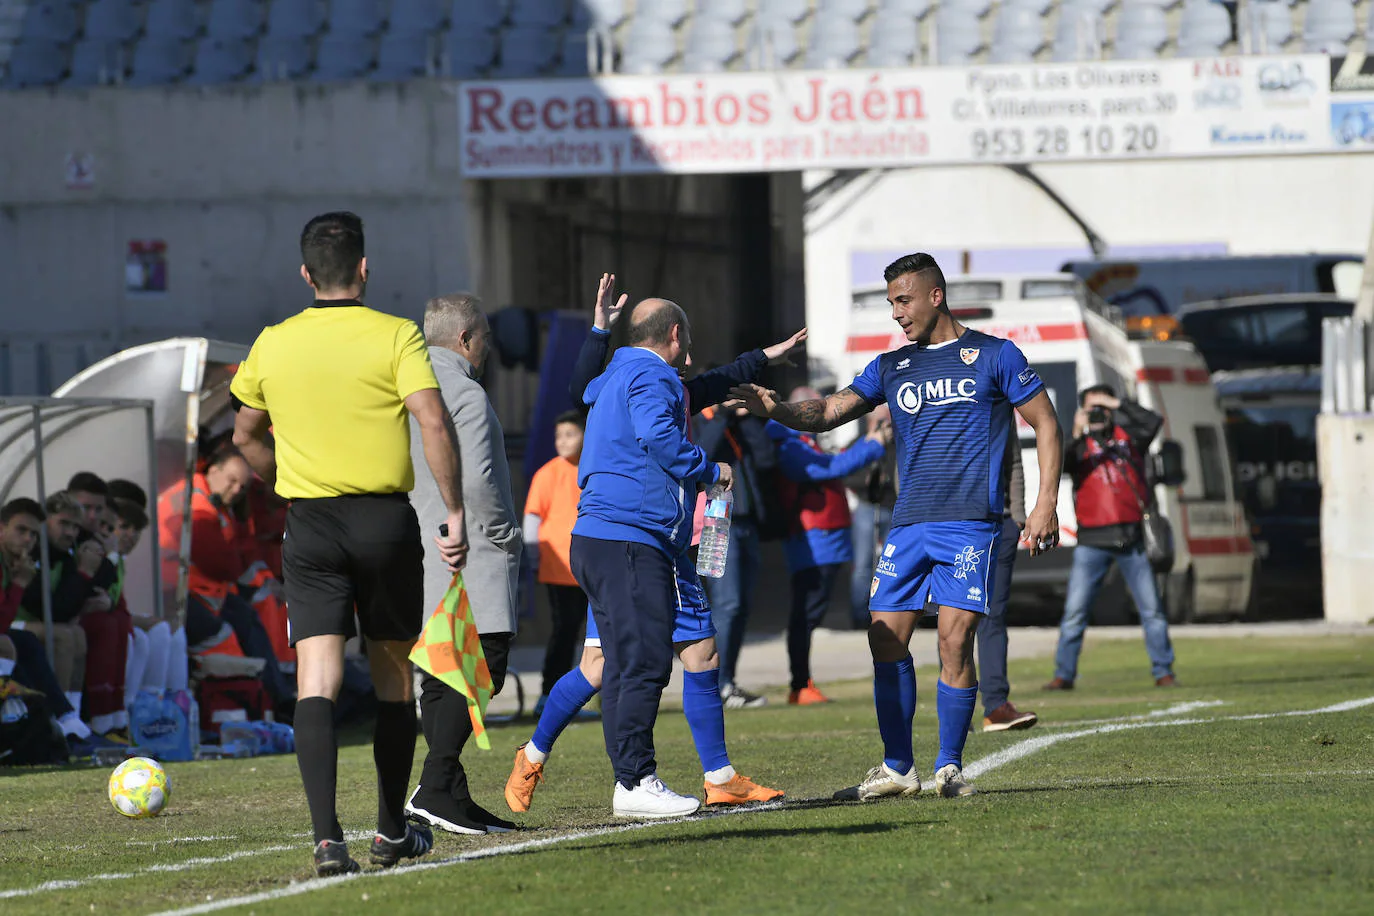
[(1252, 205)]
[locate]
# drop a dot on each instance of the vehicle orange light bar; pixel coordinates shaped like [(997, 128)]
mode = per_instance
[(1154, 327)]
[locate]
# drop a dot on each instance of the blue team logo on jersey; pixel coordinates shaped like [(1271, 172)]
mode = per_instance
[(969, 355), (912, 396), (966, 561)]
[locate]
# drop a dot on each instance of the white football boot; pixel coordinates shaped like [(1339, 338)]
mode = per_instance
[(884, 782), (651, 798), (949, 782)]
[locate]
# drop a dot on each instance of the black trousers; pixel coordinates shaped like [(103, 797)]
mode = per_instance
[(811, 589), (447, 724), (569, 604), (633, 590)]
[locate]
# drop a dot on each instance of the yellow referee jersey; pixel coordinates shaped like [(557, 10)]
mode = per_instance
[(334, 379)]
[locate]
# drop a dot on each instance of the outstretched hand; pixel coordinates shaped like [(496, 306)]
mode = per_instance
[(758, 400), (781, 353), (606, 313)]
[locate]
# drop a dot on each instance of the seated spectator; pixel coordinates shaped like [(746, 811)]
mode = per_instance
[(219, 620), (128, 491), (92, 495), (28, 660)]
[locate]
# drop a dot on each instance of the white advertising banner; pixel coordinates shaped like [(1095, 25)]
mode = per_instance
[(786, 120)]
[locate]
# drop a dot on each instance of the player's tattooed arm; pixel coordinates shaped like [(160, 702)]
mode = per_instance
[(813, 416)]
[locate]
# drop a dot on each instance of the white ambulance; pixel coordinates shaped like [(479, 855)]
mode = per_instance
[(1074, 340)]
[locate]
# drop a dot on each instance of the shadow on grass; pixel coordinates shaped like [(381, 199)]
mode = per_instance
[(608, 841)]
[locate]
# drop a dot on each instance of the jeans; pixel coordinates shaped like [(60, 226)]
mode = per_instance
[(1090, 565), (811, 588), (869, 529), (992, 631), (730, 595)]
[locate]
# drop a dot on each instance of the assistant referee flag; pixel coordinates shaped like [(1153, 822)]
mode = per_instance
[(451, 650)]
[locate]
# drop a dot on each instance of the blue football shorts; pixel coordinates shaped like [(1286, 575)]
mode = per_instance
[(693, 618), (929, 564)]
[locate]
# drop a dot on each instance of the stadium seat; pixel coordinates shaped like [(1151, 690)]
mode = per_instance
[(111, 20), (544, 14), (1204, 24), (281, 59), (1040, 8), (964, 8), (96, 62), (916, 8), (1328, 23), (1369, 31), (464, 14), (464, 53), (775, 40), (1271, 25), (894, 31), (728, 11), (160, 60), (526, 51), (35, 62), (356, 18), (222, 60), (670, 11), (230, 19), (958, 35), (172, 19), (572, 56), (1078, 33), (597, 14), (342, 56), (650, 45), (783, 10), (829, 10), (404, 56), (417, 17), (51, 20), (1017, 34), (296, 18), (710, 46), (1141, 26), (834, 41)]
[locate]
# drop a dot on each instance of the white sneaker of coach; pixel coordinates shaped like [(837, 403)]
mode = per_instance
[(651, 798)]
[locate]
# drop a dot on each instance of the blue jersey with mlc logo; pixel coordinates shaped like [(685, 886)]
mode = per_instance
[(951, 414)]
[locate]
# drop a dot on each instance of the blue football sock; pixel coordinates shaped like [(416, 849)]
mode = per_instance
[(894, 697), (570, 694), (705, 717), (954, 706)]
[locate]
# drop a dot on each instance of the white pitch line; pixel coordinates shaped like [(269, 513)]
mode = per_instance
[(979, 767), (1177, 709)]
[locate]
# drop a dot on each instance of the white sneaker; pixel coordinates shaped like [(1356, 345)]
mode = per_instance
[(651, 798), (884, 782), (949, 782)]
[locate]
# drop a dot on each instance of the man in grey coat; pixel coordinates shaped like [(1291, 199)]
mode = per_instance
[(458, 336)]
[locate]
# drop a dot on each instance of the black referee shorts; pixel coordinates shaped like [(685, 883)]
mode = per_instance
[(348, 552)]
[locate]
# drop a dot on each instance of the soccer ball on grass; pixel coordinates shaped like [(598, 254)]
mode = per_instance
[(139, 787)]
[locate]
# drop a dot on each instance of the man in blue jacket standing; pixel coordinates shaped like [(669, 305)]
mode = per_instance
[(639, 475)]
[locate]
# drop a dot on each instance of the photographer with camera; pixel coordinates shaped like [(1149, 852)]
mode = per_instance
[(1111, 492)]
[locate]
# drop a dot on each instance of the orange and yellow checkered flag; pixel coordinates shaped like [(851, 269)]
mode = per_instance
[(451, 650)]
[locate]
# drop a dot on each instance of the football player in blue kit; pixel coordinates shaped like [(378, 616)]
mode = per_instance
[(952, 391)]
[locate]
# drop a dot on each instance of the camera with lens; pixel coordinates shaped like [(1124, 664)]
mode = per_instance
[(1099, 416)]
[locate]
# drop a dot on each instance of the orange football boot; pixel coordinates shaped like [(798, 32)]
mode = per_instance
[(809, 695), (740, 790), (525, 777)]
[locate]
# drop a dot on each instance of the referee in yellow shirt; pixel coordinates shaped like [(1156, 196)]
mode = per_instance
[(334, 383)]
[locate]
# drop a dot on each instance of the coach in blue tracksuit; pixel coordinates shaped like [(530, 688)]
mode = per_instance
[(639, 475)]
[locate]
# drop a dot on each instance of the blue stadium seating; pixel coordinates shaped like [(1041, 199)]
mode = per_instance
[(404, 56), (958, 35), (281, 59), (296, 18), (546, 14), (572, 56), (1329, 25), (917, 8), (1078, 33), (234, 19), (160, 60), (710, 46), (1017, 34), (343, 57), (829, 10), (96, 62), (418, 17), (172, 19), (35, 62), (1271, 24), (732, 12), (600, 14), (222, 60), (783, 10), (466, 53), (356, 18), (112, 20), (834, 41), (526, 51), (651, 44), (51, 20)]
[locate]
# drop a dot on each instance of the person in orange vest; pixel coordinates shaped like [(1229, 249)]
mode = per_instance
[(218, 618), (820, 542)]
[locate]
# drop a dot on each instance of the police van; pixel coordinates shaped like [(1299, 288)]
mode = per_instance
[(1074, 339)]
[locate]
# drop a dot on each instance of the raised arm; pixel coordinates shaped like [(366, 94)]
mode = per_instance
[(714, 385), (814, 416), (802, 463), (440, 443), (1042, 524), (592, 357)]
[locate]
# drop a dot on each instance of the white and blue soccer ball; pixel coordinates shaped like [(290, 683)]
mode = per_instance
[(139, 787)]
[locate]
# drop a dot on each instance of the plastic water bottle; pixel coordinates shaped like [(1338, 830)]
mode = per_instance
[(715, 532)]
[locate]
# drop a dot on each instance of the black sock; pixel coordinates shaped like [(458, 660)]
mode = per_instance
[(393, 750), (317, 753)]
